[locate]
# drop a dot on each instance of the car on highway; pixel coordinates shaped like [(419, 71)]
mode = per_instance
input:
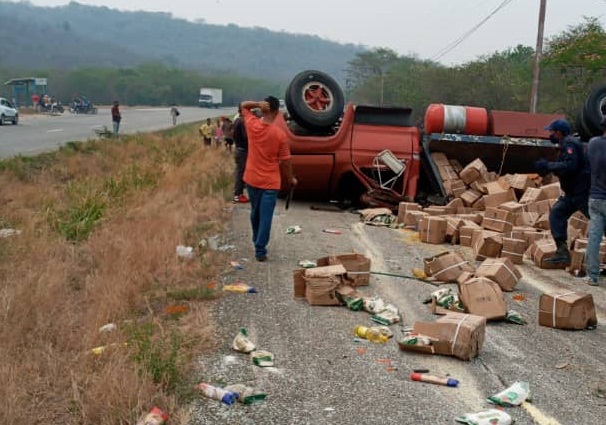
[(8, 112)]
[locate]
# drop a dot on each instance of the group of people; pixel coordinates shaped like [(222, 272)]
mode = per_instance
[(582, 175), (220, 132)]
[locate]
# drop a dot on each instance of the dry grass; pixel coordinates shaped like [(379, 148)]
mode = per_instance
[(99, 224)]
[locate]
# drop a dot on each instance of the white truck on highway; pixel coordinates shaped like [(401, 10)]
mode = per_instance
[(210, 97)]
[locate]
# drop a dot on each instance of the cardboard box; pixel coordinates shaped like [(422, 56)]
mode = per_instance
[(403, 207), (325, 270), (412, 218), (455, 164), (452, 229), (577, 263), (542, 222), (473, 171), (432, 230), (356, 266), (564, 309), (532, 194), (483, 297), (447, 266), (521, 182), (512, 206), (580, 222), (526, 218), (455, 334), (539, 207), (514, 249), (465, 276), (502, 271), (498, 220), (321, 290), (486, 243), (466, 232), (447, 172), (436, 210), (470, 196), (455, 204), (439, 158), (491, 188), (496, 199), (454, 187), (551, 191), (298, 277), (541, 250)]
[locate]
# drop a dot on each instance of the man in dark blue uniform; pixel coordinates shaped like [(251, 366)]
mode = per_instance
[(572, 169)]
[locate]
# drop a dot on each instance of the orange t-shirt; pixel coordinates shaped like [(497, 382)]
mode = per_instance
[(267, 146)]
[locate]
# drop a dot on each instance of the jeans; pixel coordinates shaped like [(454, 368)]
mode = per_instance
[(116, 127), (262, 205), (561, 212), (597, 224), (240, 158)]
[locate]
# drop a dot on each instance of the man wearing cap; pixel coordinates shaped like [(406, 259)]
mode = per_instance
[(597, 204), (572, 169)]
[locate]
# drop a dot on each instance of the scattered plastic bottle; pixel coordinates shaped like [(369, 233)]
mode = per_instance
[(431, 379), (217, 393), (246, 395), (332, 231), (240, 287), (372, 334), (419, 273)]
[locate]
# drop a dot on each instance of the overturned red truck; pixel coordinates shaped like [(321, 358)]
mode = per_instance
[(376, 156)]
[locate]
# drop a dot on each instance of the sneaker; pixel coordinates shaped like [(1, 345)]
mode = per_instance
[(236, 198), (242, 199), (261, 258), (591, 281)]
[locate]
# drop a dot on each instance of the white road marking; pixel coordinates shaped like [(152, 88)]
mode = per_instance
[(56, 130)]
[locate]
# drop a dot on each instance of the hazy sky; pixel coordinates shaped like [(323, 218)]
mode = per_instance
[(424, 27)]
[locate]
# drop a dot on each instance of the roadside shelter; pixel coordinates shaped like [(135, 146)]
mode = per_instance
[(24, 88)]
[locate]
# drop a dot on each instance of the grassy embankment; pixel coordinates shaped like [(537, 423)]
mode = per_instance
[(100, 222)]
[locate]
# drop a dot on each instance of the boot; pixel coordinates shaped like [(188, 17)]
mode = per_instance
[(561, 256)]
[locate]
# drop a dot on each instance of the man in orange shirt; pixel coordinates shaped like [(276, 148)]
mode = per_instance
[(268, 157)]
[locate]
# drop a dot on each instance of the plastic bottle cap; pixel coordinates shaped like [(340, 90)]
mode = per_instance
[(229, 398), (452, 382), (415, 376)]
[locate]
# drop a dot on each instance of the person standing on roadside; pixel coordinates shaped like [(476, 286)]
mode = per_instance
[(572, 169), (268, 158), (207, 132), (174, 113), (116, 117), (241, 142), (228, 133), (597, 204)]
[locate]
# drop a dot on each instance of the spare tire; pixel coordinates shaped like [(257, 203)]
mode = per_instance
[(314, 100), (594, 111)]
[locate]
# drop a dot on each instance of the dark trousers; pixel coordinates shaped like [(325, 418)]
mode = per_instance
[(262, 205), (240, 158), (561, 212)]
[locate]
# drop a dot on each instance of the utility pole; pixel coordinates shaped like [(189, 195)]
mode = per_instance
[(534, 95)]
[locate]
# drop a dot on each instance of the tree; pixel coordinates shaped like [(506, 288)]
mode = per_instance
[(371, 67)]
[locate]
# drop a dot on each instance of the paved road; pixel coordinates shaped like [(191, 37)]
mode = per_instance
[(37, 133), (321, 376)]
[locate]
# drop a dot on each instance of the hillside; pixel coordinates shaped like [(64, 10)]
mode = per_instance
[(76, 35)]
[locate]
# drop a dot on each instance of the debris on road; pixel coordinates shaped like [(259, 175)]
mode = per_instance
[(240, 287), (185, 252), (217, 393), (262, 358), (246, 394), (241, 342), (293, 230), (486, 417), (155, 417), (515, 395), (431, 379)]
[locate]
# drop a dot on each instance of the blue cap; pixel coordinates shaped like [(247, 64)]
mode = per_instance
[(559, 125), (452, 382)]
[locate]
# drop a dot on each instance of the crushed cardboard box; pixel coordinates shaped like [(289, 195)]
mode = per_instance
[(500, 270), (455, 334), (432, 229), (356, 266), (447, 266), (483, 297), (564, 309)]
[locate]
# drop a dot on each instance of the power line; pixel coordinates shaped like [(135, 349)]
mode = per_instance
[(463, 37)]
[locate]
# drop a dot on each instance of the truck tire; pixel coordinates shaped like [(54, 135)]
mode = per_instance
[(594, 111), (314, 100)]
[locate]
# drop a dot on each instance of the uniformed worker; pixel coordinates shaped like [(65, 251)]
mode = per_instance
[(572, 169)]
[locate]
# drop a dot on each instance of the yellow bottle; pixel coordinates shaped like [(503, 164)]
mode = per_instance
[(371, 334)]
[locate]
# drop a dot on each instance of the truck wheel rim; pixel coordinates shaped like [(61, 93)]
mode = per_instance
[(317, 97)]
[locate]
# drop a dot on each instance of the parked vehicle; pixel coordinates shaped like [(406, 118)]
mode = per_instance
[(8, 113), (377, 156), (210, 97)]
